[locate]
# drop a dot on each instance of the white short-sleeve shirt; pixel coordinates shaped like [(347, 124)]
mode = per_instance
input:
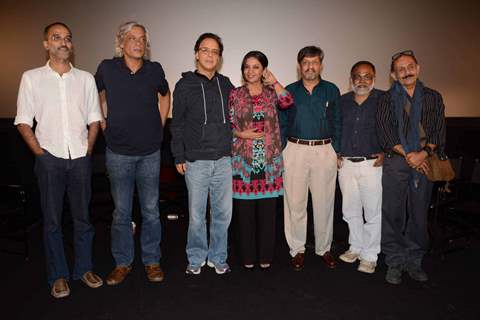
[(63, 106)]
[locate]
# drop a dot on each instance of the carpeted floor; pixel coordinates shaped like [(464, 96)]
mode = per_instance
[(280, 293)]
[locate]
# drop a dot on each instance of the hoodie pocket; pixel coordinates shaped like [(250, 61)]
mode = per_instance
[(215, 136)]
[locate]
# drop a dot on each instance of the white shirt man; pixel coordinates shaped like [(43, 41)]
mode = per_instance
[(64, 102)]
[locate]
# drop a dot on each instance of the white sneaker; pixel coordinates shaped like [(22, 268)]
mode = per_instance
[(194, 269), (349, 256), (367, 266), (219, 268)]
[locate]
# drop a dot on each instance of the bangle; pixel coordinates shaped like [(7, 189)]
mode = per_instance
[(428, 150)]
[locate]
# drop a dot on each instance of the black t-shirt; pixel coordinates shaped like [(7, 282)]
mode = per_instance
[(134, 125)]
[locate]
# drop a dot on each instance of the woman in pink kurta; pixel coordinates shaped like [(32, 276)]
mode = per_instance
[(257, 162)]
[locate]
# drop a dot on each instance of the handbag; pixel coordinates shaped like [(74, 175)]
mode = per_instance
[(440, 169)]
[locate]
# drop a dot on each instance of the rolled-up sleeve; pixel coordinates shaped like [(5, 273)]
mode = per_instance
[(25, 103), (92, 101)]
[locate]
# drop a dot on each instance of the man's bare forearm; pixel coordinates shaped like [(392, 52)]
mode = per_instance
[(92, 135), (29, 137), (164, 106)]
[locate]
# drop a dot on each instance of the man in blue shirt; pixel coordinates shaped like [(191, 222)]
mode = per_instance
[(312, 128), (360, 168), (138, 100)]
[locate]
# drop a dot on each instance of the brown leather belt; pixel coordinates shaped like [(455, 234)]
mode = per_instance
[(310, 142)]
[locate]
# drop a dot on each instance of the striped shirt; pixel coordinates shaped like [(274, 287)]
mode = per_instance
[(432, 120)]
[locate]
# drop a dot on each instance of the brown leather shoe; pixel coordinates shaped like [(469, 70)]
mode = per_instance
[(154, 273), (60, 288), (298, 261), (91, 280), (118, 275), (329, 260)]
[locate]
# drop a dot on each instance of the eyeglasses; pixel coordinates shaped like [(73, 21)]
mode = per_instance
[(213, 52), (403, 53), (58, 38), (357, 77)]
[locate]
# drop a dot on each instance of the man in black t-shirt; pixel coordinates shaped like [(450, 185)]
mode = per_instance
[(135, 99)]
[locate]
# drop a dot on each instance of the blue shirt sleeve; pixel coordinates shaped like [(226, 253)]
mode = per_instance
[(99, 77), (162, 82)]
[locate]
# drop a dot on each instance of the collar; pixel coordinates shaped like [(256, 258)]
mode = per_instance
[(70, 72), (301, 85), (373, 94), (120, 61)]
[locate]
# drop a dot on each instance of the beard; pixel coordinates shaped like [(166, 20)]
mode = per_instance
[(362, 90), (310, 75), (61, 52)]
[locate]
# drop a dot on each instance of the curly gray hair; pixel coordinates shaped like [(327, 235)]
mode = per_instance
[(122, 32)]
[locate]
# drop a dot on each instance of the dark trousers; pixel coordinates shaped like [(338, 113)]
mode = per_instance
[(404, 214), (55, 177), (255, 229)]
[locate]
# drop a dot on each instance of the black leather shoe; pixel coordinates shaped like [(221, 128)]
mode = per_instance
[(394, 275), (416, 273)]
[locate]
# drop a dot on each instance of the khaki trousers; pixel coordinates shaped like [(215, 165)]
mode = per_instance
[(314, 168)]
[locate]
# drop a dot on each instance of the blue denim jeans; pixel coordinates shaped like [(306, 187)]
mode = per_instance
[(124, 171), (204, 177), (55, 177)]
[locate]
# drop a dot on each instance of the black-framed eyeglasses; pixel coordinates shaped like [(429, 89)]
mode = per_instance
[(357, 77), (403, 53)]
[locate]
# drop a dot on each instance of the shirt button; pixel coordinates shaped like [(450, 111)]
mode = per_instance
[(355, 131), (358, 118)]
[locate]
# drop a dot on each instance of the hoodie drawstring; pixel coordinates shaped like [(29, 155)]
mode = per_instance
[(205, 102)]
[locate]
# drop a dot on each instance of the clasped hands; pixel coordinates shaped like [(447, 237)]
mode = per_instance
[(418, 161)]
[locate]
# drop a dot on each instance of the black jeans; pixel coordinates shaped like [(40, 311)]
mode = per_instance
[(404, 214)]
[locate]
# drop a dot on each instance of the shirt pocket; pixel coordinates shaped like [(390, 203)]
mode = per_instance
[(320, 107)]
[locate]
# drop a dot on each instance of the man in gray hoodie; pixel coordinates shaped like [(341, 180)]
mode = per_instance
[(201, 146)]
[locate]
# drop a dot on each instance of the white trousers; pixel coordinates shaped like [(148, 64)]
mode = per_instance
[(361, 185), (314, 168)]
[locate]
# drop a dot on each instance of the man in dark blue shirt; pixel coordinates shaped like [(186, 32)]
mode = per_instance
[(312, 128), (138, 100), (360, 168)]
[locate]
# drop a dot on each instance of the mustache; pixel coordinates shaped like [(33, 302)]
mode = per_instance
[(63, 47), (407, 76)]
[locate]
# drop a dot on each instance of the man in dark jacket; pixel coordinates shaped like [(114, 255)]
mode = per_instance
[(201, 145)]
